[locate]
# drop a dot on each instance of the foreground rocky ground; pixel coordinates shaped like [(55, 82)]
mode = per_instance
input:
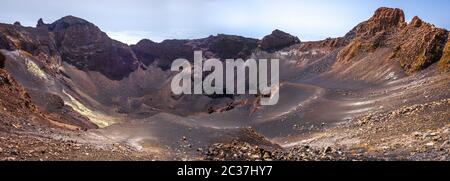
[(20, 146), (418, 132), (379, 136)]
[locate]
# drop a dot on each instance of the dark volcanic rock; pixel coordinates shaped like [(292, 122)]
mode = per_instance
[(4, 43), (220, 46), (229, 46), (41, 23), (2, 61), (72, 40), (37, 42), (85, 46), (277, 40), (444, 62), (162, 53)]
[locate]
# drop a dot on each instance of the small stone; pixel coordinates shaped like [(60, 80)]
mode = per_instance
[(328, 149), (446, 130), (266, 155), (445, 144), (14, 152), (254, 156), (9, 159), (417, 134), (429, 144)]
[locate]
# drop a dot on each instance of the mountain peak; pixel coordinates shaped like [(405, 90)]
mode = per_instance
[(416, 22), (40, 23), (392, 16), (68, 21), (384, 20)]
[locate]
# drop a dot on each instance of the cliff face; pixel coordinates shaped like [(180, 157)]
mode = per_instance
[(84, 45), (444, 62), (74, 41), (36, 42), (419, 45), (415, 45)]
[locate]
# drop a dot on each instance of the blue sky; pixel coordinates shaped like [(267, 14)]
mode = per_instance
[(130, 21)]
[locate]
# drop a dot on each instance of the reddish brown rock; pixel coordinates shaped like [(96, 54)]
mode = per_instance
[(419, 45), (277, 40), (415, 46), (13, 96), (444, 62), (384, 19)]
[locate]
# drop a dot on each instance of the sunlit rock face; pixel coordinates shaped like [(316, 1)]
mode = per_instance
[(415, 45)]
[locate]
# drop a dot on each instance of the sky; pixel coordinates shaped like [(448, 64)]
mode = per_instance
[(132, 20)]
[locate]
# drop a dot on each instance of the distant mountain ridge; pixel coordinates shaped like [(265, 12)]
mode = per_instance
[(84, 45)]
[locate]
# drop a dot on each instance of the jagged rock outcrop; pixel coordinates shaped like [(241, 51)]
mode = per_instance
[(444, 62), (372, 34), (40, 23), (419, 45), (384, 19), (277, 40), (220, 46), (72, 40), (36, 42), (415, 46)]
